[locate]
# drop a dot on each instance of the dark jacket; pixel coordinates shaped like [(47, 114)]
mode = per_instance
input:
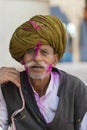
[(71, 108)]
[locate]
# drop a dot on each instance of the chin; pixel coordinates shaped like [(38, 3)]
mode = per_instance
[(38, 76)]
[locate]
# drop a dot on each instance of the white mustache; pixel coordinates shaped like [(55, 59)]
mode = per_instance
[(37, 64)]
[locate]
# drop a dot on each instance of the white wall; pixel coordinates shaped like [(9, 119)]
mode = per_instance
[(12, 14)]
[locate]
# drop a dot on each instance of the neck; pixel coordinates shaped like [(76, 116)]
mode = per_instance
[(40, 85)]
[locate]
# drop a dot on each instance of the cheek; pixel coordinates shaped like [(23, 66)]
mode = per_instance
[(27, 58), (50, 60), (49, 68)]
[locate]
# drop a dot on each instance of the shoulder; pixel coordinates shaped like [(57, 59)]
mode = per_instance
[(70, 82), (71, 78), (68, 78), (73, 85)]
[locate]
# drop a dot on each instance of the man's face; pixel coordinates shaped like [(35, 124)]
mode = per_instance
[(39, 61)]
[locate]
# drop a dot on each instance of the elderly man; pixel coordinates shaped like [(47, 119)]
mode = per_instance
[(41, 97)]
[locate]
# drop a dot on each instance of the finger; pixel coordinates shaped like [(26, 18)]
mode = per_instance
[(8, 69), (15, 79)]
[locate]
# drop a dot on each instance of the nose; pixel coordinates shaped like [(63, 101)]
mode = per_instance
[(37, 56)]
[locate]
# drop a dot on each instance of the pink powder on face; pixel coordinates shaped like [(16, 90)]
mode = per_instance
[(38, 47), (36, 53), (35, 25), (49, 68)]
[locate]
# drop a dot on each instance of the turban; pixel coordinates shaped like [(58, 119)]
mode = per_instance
[(47, 29)]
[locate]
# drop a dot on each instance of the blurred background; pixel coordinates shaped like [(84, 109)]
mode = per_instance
[(72, 13)]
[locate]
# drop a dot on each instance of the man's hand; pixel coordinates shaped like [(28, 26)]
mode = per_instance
[(9, 74)]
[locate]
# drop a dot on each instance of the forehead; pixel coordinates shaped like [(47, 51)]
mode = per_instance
[(46, 47)]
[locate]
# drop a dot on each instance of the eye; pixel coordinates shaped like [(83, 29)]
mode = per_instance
[(31, 51), (44, 52)]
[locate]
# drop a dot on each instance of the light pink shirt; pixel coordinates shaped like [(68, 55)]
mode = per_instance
[(49, 102)]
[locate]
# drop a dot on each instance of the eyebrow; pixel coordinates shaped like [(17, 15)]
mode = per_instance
[(45, 49), (31, 49)]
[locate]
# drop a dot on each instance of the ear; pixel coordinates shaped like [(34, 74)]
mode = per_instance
[(55, 60)]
